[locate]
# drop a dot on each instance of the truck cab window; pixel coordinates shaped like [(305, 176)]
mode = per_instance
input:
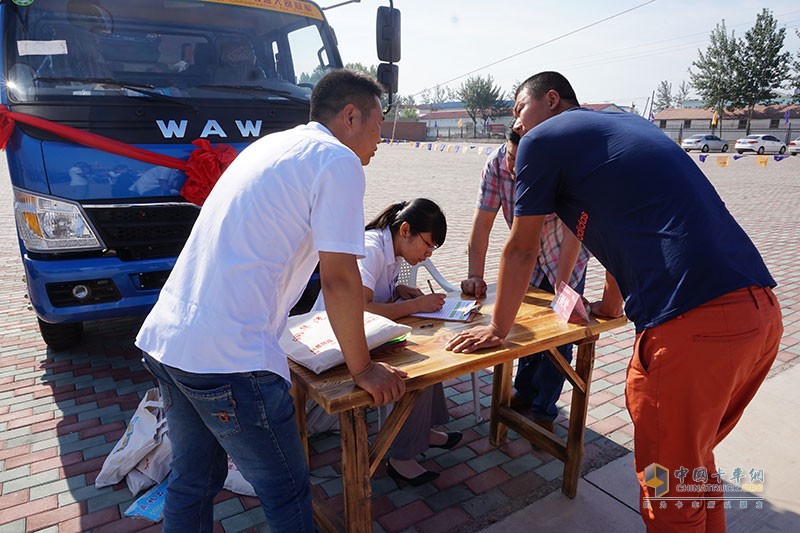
[(238, 63), (177, 48)]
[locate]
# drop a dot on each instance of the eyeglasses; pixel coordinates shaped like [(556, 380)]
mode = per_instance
[(430, 246)]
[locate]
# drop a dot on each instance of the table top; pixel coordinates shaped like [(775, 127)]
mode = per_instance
[(423, 356)]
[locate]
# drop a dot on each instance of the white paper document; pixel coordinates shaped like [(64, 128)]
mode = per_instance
[(453, 309)]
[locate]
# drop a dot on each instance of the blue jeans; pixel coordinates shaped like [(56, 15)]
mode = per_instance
[(538, 380), (249, 416)]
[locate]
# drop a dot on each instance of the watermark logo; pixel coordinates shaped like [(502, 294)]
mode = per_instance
[(703, 487), (657, 477)]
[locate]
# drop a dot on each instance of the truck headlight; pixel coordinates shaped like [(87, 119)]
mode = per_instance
[(47, 224)]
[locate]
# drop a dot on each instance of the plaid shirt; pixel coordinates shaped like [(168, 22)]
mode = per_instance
[(497, 190)]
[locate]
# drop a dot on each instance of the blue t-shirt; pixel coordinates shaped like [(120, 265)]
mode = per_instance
[(641, 206)]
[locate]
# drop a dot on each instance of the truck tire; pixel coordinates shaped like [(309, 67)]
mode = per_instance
[(61, 336)]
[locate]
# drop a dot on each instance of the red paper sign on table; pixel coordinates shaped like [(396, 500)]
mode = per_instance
[(568, 304)]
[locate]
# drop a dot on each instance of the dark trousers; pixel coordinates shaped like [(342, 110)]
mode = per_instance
[(538, 380)]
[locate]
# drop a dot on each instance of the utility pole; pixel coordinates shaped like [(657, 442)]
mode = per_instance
[(394, 126)]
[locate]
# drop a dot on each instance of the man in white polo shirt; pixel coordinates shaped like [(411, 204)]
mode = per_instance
[(287, 201)]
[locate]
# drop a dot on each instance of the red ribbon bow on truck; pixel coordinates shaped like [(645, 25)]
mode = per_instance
[(203, 168)]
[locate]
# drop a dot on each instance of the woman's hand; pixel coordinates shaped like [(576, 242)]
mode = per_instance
[(429, 303)]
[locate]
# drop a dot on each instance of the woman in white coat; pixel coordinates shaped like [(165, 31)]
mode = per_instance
[(409, 231)]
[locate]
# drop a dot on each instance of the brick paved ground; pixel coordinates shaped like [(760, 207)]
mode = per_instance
[(62, 412)]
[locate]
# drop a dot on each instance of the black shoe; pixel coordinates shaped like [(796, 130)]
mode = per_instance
[(453, 438), (519, 402), (425, 477)]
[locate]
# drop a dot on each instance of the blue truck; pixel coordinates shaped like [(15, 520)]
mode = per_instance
[(99, 231)]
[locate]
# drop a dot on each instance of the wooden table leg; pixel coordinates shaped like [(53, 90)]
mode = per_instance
[(584, 364), (355, 470), (501, 396), (392, 425)]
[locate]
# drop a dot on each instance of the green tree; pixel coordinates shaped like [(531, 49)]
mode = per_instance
[(794, 81), (314, 76), (371, 70), (514, 87), (320, 70), (437, 94), (682, 95), (663, 96), (502, 107), (761, 66), (480, 97), (402, 107), (714, 79)]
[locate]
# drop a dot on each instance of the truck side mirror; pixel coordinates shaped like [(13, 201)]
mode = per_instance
[(388, 34), (388, 77)]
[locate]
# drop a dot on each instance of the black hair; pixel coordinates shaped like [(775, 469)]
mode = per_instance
[(538, 85), (339, 88), (422, 215), (513, 137)]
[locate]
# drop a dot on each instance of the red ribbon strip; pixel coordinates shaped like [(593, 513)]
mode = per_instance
[(204, 167)]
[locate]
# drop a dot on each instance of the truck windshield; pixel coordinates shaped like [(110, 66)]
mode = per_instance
[(59, 50)]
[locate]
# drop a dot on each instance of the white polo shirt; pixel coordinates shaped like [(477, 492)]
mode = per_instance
[(379, 267), (252, 250)]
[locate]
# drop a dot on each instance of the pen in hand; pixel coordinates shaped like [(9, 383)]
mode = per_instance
[(430, 286)]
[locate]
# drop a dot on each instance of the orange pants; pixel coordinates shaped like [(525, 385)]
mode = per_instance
[(688, 383)]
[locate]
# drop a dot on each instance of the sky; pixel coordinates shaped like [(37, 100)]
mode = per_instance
[(619, 60)]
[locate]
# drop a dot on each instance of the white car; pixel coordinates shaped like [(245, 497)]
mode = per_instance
[(704, 143), (794, 146), (760, 144)]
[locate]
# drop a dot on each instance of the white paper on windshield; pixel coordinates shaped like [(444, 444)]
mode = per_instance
[(42, 48)]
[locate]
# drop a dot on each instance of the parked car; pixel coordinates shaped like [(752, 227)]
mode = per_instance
[(760, 144), (704, 143), (794, 146)]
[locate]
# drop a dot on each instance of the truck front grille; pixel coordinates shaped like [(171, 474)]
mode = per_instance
[(143, 231)]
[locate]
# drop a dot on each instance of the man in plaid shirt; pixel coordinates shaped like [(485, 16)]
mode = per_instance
[(562, 258)]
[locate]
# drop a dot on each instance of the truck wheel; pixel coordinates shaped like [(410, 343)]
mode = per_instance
[(61, 336)]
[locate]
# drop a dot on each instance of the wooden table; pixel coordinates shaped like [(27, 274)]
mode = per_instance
[(537, 329)]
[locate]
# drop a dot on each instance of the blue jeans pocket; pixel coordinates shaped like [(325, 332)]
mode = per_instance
[(274, 392), (218, 408)]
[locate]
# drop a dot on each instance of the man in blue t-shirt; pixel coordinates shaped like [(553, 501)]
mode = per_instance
[(708, 324)]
